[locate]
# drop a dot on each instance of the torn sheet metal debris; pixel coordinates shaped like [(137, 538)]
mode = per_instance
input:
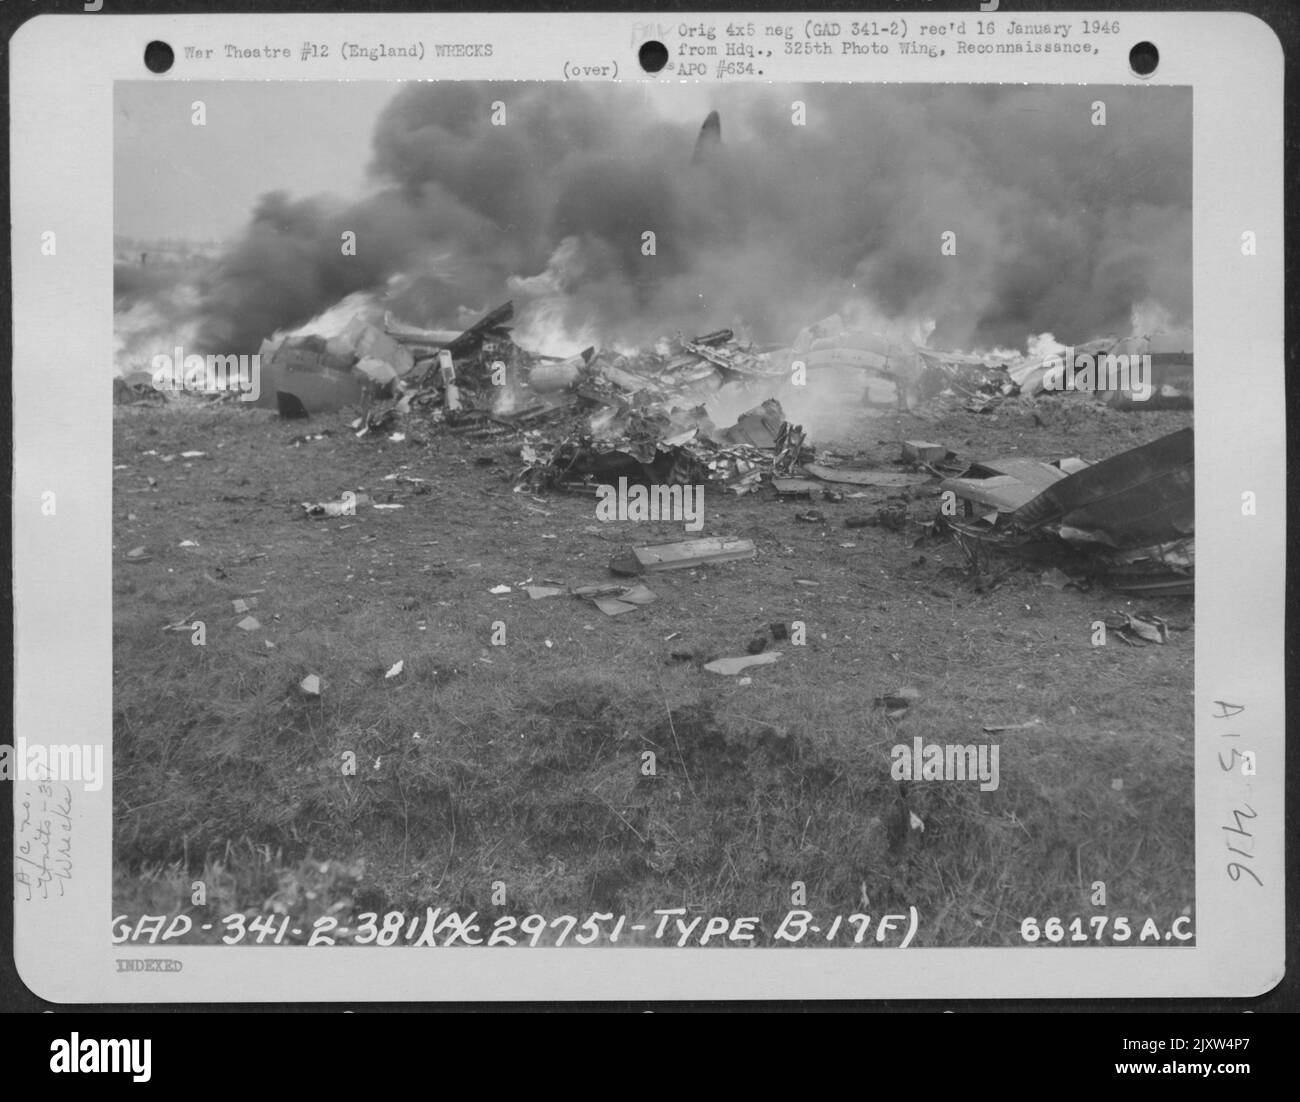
[(614, 600), (757, 427), (729, 667), (863, 477), (1002, 484), (1138, 498), (683, 555), (1140, 630)]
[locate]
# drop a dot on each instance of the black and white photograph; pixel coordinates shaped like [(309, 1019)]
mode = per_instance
[(751, 515)]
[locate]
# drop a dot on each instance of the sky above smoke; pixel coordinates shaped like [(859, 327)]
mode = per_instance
[(1059, 224)]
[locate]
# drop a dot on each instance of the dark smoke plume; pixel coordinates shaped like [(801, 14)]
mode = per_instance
[(1060, 225)]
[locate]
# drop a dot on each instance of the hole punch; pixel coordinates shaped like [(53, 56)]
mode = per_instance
[(158, 57), (1143, 59), (653, 55)]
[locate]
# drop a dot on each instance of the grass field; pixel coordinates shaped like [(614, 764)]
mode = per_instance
[(521, 768)]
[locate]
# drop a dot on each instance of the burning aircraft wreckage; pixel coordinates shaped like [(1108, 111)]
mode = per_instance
[(602, 417)]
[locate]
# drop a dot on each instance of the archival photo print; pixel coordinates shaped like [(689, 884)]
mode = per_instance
[(728, 516)]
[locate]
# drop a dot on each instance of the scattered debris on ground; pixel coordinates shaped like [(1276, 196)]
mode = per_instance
[(683, 555), (614, 600), (600, 416), (731, 666), (1139, 630), (480, 440), (346, 506), (995, 728), (897, 702)]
